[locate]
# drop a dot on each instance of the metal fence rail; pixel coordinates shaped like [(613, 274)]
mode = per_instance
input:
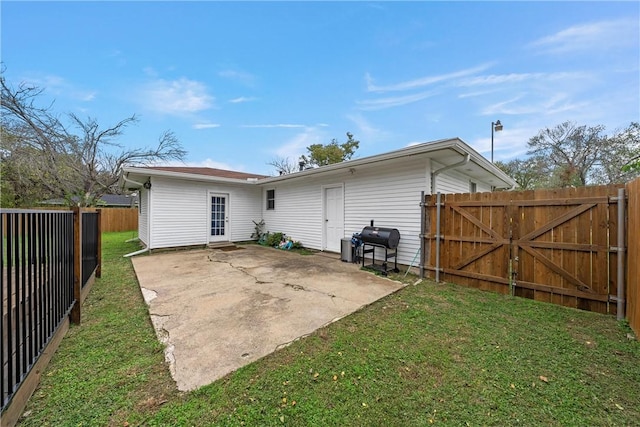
[(47, 257), (89, 244), (36, 262)]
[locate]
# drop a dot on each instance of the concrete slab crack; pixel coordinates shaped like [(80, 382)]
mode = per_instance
[(296, 287), (240, 269)]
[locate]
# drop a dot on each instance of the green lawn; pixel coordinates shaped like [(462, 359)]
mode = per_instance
[(429, 354)]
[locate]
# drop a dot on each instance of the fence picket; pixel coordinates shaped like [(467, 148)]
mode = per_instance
[(633, 256), (558, 242)]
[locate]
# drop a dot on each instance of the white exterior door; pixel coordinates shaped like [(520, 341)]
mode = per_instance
[(333, 218), (218, 217)]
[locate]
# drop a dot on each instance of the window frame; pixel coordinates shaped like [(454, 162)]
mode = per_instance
[(270, 197)]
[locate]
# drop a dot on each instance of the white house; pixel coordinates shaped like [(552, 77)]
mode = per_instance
[(184, 206)]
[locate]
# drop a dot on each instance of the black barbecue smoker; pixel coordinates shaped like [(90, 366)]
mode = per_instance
[(382, 239)]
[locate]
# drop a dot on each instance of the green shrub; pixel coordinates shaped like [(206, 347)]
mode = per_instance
[(273, 239)]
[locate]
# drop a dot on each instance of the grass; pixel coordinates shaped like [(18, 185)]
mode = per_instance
[(429, 354)]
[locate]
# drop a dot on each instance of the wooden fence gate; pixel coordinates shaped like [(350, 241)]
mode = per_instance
[(559, 246)]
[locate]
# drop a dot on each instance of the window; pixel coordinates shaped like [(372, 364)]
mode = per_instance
[(271, 200), (473, 187)]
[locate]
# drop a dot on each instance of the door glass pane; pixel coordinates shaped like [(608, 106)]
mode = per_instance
[(218, 207)]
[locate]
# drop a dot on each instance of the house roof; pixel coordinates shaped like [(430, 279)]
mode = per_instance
[(220, 173), (448, 153), (125, 200)]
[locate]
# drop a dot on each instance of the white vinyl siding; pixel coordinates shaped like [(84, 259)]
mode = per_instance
[(390, 195), (298, 213), (180, 211), (143, 216), (482, 187), (453, 182)]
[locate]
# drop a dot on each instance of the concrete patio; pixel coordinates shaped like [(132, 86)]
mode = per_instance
[(217, 310)]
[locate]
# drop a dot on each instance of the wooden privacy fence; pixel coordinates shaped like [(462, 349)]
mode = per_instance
[(111, 219), (633, 256), (119, 219), (48, 262), (560, 246)]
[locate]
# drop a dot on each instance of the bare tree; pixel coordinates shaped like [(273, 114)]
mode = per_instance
[(79, 168), (284, 166), (573, 151)]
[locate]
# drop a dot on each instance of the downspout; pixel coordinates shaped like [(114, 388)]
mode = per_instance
[(139, 184), (435, 173), (146, 249), (141, 251)]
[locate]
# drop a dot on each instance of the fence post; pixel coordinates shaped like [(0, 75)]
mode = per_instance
[(99, 255), (621, 255), (77, 265), (423, 206)]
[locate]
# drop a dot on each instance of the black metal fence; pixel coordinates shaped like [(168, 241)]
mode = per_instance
[(90, 240), (39, 263)]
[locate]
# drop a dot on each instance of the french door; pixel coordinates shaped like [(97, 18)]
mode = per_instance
[(218, 217)]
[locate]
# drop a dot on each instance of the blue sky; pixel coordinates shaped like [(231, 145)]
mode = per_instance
[(245, 82)]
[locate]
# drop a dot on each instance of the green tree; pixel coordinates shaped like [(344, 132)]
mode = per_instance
[(630, 139), (44, 157), (334, 152), (529, 173)]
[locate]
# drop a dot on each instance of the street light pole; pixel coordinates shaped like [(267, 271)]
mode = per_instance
[(497, 126)]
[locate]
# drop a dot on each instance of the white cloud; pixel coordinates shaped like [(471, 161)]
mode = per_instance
[(508, 144), (177, 96), (59, 86), (422, 81), (242, 99), (365, 131), (553, 104), (297, 145), (502, 79), (206, 125), (382, 103), (239, 76), (279, 125), (595, 36)]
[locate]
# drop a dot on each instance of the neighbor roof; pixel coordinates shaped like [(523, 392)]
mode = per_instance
[(112, 200)]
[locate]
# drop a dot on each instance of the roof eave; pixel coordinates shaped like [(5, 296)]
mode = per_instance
[(403, 152), (188, 176)]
